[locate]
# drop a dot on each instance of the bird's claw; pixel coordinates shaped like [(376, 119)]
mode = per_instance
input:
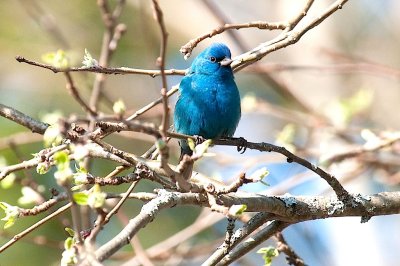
[(242, 147), (198, 139)]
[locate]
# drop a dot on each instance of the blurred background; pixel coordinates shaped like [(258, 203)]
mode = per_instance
[(343, 78)]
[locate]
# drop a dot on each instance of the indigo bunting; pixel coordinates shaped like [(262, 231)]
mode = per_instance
[(208, 104)]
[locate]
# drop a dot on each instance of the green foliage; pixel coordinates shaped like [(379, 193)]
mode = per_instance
[(11, 212), (69, 254), (57, 59), (42, 168), (81, 198), (95, 198), (237, 210), (70, 231), (268, 254), (259, 175), (64, 173)]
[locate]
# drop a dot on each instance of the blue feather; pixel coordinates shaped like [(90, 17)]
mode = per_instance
[(209, 102)]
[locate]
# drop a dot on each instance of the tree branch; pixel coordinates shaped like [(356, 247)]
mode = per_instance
[(24, 120), (103, 70)]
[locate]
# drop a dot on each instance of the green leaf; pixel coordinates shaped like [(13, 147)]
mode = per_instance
[(61, 159), (4, 205), (68, 243), (77, 187), (70, 231), (42, 168), (64, 172), (57, 59), (10, 222), (69, 256), (237, 210), (81, 198), (269, 253), (96, 197), (259, 175), (12, 213)]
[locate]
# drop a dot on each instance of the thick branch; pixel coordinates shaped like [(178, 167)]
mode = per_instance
[(24, 120), (147, 214), (289, 209)]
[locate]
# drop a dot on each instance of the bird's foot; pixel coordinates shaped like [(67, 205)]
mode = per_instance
[(242, 147)]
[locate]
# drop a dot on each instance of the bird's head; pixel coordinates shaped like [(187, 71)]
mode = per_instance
[(216, 59)]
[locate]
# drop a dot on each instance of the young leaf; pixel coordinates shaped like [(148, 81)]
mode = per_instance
[(96, 197), (70, 231), (11, 212), (57, 59), (269, 253), (237, 210), (81, 198)]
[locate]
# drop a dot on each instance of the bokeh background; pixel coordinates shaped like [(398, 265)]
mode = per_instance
[(351, 59)]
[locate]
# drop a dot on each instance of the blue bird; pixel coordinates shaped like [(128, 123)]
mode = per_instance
[(209, 102)]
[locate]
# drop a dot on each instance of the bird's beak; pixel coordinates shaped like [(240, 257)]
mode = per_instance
[(226, 62)]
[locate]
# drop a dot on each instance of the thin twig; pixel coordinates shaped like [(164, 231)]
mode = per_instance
[(161, 64), (120, 202), (354, 152), (256, 239), (103, 70), (285, 39), (340, 191), (144, 109), (74, 92), (34, 227), (255, 222), (291, 257), (187, 49)]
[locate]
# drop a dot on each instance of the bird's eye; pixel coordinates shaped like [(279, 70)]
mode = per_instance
[(213, 59)]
